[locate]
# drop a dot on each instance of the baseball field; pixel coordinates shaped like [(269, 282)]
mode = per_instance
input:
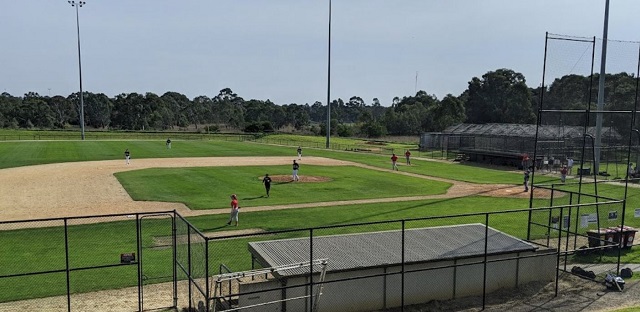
[(54, 179)]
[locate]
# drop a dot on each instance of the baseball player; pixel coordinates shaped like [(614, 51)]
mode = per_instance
[(296, 166), (127, 155), (267, 183)]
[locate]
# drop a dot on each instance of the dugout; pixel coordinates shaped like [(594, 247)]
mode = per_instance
[(440, 263)]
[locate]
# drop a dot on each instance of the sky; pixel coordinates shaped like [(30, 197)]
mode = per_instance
[(277, 49)]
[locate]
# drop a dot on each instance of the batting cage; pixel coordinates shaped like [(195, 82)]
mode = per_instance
[(587, 148)]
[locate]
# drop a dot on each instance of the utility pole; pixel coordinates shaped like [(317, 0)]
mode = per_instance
[(329, 82), (78, 5)]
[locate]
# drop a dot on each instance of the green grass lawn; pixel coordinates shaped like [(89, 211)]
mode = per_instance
[(44, 152), (210, 187)]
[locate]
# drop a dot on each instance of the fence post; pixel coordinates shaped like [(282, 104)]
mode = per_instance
[(558, 258), (402, 269), (139, 251), (66, 258), (174, 231), (486, 246), (189, 263), (311, 269), (206, 275)]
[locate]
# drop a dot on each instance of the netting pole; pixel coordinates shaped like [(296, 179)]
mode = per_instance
[(600, 105), (632, 128), (586, 123), (535, 142)]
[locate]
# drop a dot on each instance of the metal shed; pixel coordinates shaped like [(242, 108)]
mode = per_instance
[(505, 144), (439, 263)]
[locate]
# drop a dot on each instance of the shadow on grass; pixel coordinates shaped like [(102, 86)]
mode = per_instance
[(285, 182), (214, 228), (373, 215), (252, 198)]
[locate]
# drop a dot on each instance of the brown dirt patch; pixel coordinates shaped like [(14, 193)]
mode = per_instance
[(301, 178), (518, 192)]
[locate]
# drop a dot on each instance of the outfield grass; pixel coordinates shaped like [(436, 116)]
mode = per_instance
[(339, 143), (210, 187), (43, 152), (15, 154)]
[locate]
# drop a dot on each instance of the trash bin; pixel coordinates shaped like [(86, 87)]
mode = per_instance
[(617, 235), (624, 235), (584, 171), (610, 238), (602, 237), (629, 234)]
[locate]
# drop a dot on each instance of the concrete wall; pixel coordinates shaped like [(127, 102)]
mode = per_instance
[(385, 291)]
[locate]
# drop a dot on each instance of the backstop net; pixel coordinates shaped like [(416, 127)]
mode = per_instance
[(587, 147)]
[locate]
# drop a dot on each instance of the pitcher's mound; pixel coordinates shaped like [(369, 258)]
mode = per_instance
[(518, 192), (288, 178)]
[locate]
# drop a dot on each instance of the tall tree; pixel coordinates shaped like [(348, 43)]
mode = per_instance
[(8, 110), (63, 110), (448, 112), (35, 112), (229, 109), (501, 96), (129, 112), (97, 110)]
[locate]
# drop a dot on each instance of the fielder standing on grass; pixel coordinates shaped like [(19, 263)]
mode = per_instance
[(267, 183), (296, 166), (299, 152), (235, 209), (168, 143), (407, 155), (394, 162)]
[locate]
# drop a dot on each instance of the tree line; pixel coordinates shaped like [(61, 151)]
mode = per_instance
[(499, 96)]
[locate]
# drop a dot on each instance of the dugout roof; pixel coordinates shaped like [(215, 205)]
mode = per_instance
[(546, 132), (381, 249)]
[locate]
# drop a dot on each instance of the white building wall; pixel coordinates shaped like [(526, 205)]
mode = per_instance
[(385, 291)]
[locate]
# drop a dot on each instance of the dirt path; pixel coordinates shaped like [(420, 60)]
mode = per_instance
[(90, 188)]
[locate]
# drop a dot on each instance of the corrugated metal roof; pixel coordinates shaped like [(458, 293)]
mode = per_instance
[(353, 251), (546, 132)]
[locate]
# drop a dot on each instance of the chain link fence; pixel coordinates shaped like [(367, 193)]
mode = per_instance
[(71, 263)]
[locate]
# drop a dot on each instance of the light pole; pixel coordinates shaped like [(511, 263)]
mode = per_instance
[(329, 81), (77, 5)]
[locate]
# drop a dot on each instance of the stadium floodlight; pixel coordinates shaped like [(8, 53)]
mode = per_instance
[(77, 5), (329, 81)]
